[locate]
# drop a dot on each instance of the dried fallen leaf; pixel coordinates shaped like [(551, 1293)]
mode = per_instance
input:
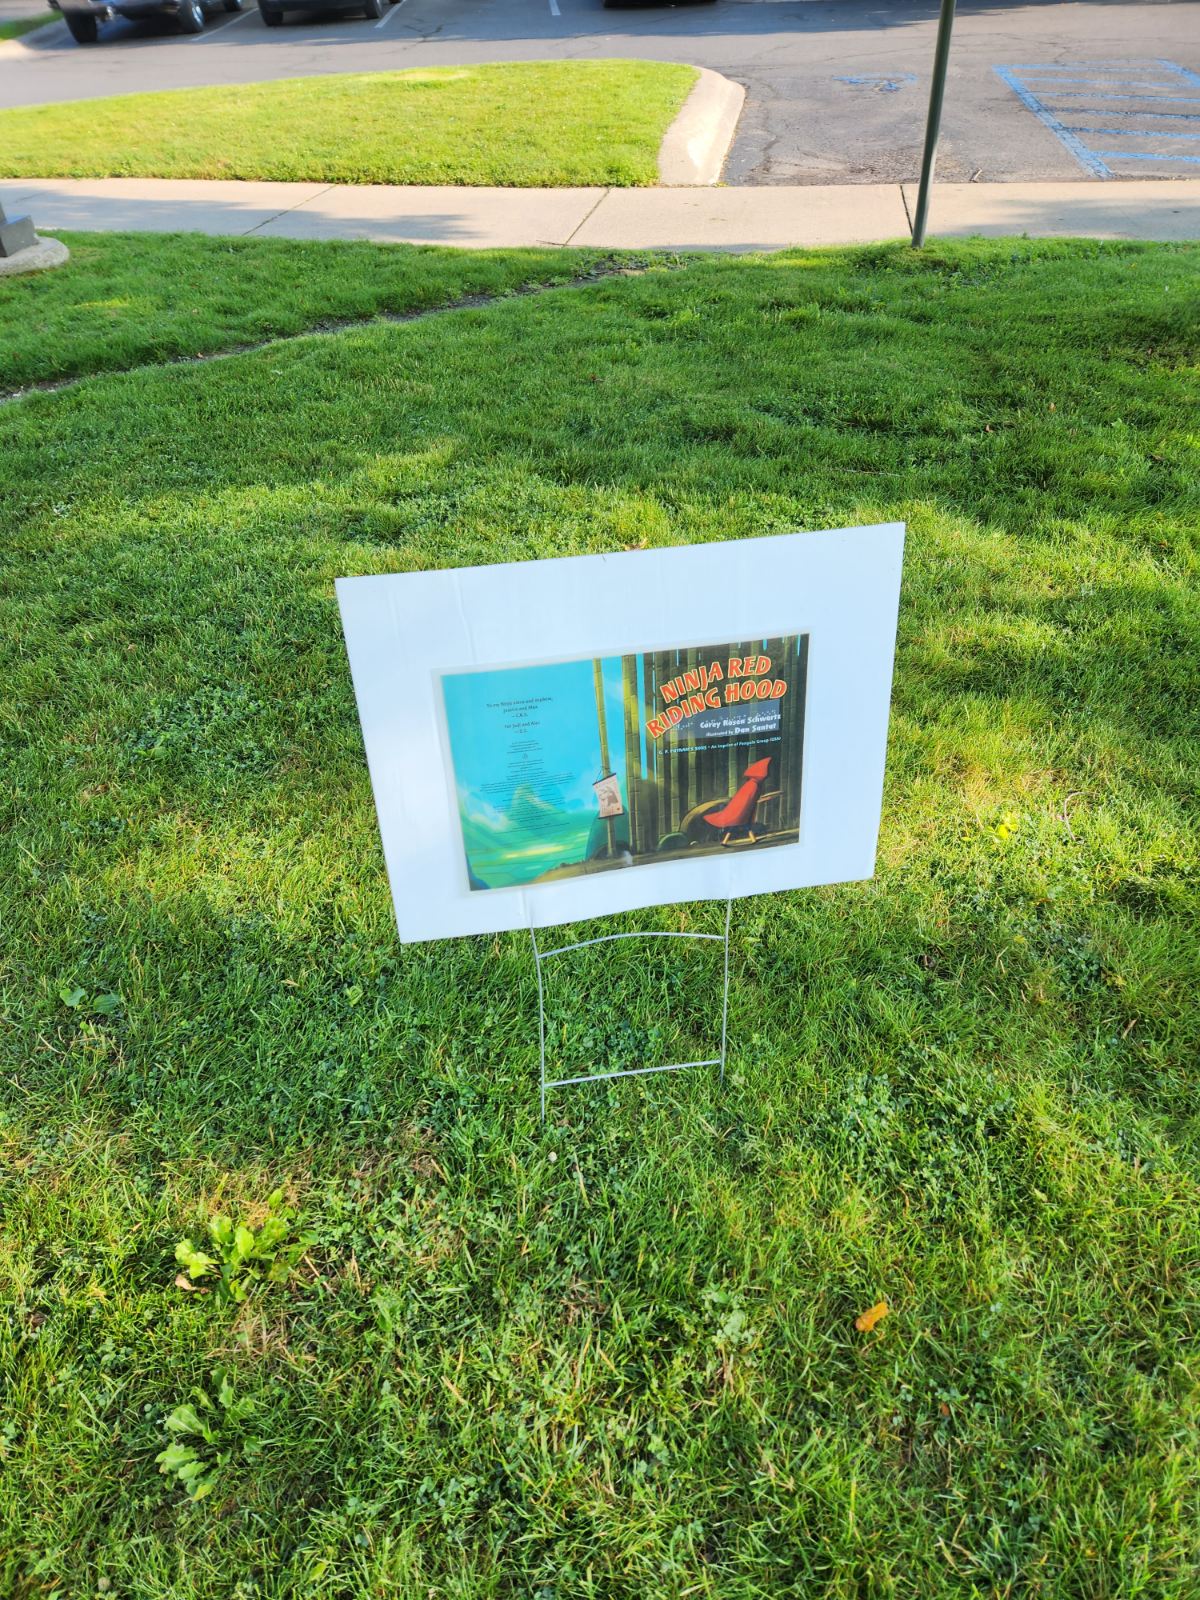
[(182, 1281), (868, 1319)]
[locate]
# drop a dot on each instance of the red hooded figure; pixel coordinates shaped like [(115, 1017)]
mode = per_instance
[(739, 812)]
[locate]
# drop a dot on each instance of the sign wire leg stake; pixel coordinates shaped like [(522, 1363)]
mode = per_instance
[(725, 997), (537, 961), (540, 955), (933, 123)]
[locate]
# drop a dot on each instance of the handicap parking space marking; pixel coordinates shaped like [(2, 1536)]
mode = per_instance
[(886, 85), (1151, 82)]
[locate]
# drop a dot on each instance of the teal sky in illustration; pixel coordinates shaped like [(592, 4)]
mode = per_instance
[(513, 830)]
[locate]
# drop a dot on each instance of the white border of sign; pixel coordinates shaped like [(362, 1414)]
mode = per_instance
[(403, 630)]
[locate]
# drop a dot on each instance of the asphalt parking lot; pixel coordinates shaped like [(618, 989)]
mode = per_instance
[(836, 92)]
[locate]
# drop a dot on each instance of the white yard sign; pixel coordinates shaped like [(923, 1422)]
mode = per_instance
[(554, 740)]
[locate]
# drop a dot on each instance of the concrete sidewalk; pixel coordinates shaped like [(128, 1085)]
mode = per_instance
[(677, 219)]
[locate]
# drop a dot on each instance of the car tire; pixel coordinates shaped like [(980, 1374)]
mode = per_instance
[(271, 15), (235, 5), (375, 9), (191, 16), (83, 26)]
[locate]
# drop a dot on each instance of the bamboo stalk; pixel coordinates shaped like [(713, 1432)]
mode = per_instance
[(633, 749)]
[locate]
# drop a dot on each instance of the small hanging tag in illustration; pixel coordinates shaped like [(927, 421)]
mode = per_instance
[(608, 793)]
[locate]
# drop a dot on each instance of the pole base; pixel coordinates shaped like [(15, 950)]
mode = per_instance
[(37, 257)]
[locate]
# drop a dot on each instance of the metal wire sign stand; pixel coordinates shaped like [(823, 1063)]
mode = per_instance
[(540, 956), (552, 742)]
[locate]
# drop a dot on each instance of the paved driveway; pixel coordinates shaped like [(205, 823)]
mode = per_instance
[(836, 92)]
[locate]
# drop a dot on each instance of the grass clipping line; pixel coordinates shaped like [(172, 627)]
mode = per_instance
[(527, 124), (470, 302), (116, 305)]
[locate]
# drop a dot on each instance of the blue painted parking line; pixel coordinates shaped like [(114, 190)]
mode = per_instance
[(1136, 133), (1144, 64), (1042, 88), (1162, 116), (1144, 155), (1103, 83), (1084, 94)]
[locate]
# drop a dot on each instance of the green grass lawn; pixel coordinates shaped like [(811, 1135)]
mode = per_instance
[(520, 124), (15, 27), (614, 1356), (118, 304)]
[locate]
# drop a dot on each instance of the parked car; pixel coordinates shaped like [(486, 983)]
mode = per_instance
[(272, 11), (84, 17)]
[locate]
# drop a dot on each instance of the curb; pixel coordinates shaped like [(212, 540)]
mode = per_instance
[(694, 147), (11, 49)]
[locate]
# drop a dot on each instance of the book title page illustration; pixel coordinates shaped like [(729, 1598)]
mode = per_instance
[(574, 767)]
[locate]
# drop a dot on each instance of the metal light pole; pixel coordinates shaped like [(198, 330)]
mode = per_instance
[(933, 122)]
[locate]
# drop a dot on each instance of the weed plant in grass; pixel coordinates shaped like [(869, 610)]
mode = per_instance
[(518, 124), (614, 1355)]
